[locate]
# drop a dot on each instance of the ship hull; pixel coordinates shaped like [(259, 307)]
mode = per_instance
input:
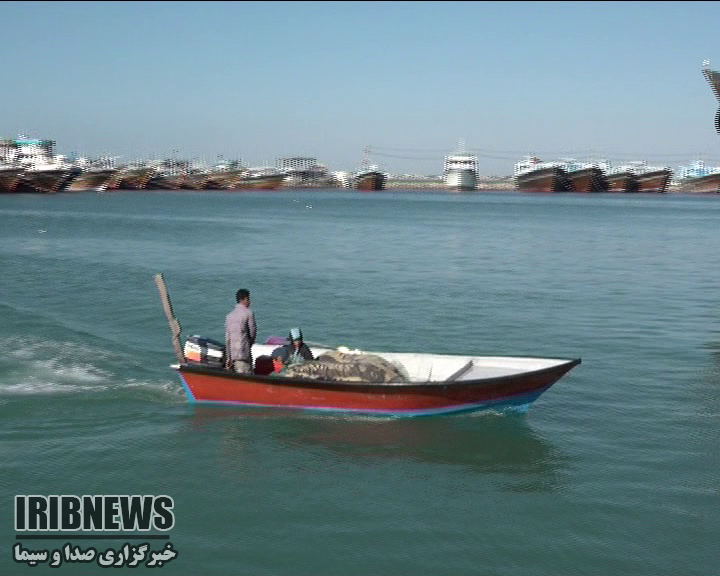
[(221, 180), (113, 182), (97, 180), (544, 180), (260, 182), (588, 180), (655, 181), (135, 179), (224, 180), (165, 182), (195, 181), (10, 179), (461, 180), (621, 182), (709, 184), (45, 181), (370, 181)]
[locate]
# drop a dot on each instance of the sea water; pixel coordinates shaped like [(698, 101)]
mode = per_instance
[(614, 470)]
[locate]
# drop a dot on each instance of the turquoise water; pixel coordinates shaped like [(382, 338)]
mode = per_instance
[(614, 470)]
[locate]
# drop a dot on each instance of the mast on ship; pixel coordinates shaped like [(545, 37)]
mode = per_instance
[(713, 79), (365, 166), (366, 158)]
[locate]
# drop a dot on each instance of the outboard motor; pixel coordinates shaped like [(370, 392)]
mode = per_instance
[(204, 351)]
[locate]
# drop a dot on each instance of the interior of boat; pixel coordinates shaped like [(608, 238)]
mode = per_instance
[(442, 367)]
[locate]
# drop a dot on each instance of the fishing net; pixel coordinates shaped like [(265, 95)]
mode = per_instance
[(348, 367)]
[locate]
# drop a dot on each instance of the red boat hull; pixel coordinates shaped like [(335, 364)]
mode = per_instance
[(371, 181), (517, 391), (622, 182), (588, 180), (655, 181), (544, 180), (708, 184)]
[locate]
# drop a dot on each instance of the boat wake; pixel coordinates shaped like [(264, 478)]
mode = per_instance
[(35, 366)]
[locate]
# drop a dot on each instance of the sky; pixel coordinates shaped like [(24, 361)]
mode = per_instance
[(409, 80)]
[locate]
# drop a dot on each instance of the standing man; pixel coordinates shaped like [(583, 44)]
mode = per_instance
[(240, 332)]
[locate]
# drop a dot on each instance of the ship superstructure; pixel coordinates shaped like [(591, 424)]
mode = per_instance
[(41, 170), (460, 170), (304, 172)]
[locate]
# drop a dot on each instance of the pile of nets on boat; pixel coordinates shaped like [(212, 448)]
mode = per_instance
[(348, 367)]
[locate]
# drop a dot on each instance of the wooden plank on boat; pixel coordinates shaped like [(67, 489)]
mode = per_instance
[(174, 324), (455, 375)]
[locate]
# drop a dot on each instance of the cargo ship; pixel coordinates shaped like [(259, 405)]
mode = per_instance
[(223, 179), (259, 179), (621, 181), (654, 181), (44, 180), (195, 180), (697, 178), (41, 170), (460, 170), (134, 177), (586, 177), (372, 178), (644, 178), (708, 184), (369, 176), (305, 172), (165, 181), (533, 175), (169, 174), (97, 180)]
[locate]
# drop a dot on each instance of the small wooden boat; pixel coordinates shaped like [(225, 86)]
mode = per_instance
[(437, 384), (431, 383)]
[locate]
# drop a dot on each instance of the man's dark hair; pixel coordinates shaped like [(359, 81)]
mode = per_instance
[(242, 294)]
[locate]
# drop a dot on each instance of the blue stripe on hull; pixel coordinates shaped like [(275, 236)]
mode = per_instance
[(519, 403), (189, 393)]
